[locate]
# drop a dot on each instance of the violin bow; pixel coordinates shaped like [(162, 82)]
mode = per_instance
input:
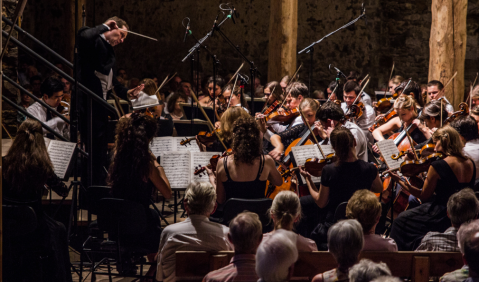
[(289, 82), (232, 92), (470, 92), (390, 77), (208, 119), (364, 79), (236, 73), (311, 132), (329, 98), (448, 82), (165, 81), (266, 102)]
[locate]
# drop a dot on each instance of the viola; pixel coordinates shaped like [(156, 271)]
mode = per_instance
[(385, 104), (283, 116), (313, 166), (204, 137), (270, 109), (387, 117), (415, 167), (355, 111)]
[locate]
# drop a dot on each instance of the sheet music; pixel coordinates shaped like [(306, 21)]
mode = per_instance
[(302, 153), (177, 168), (61, 154), (198, 160), (327, 149), (161, 145), (387, 149), (192, 147)]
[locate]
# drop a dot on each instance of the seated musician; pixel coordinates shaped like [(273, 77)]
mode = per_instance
[(285, 213), (394, 82), (351, 91), (26, 169), (331, 116), (133, 136), (226, 131), (466, 126), (444, 178), (273, 92), (475, 114), (354, 76), (413, 90), (475, 97), (431, 117), (52, 94), (174, 108), (332, 96), (297, 129), (339, 181), (244, 173), (235, 99), (435, 91), (405, 106), (207, 101), (150, 90)]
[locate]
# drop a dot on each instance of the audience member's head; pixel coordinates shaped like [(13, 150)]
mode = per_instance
[(365, 207), (285, 210), (122, 73), (276, 256), (387, 279), (186, 87), (464, 231), (367, 270), (471, 253), (174, 102), (246, 233), (345, 242), (31, 72), (200, 199), (462, 207)]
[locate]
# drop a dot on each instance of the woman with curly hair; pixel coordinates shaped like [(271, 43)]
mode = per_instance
[(26, 169), (235, 174), (135, 174)]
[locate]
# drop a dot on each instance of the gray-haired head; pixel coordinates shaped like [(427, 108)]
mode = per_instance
[(200, 198), (464, 231), (367, 270), (276, 255), (462, 207), (345, 242)]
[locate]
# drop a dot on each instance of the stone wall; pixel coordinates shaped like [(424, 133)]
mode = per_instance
[(396, 31)]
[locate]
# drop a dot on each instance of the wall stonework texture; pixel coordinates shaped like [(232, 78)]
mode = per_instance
[(397, 31)]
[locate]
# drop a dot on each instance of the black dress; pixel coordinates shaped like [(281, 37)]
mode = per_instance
[(43, 254), (412, 225), (343, 180), (141, 193), (245, 189)]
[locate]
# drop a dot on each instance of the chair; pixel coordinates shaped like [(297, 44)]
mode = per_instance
[(120, 218), (340, 212), (235, 206)]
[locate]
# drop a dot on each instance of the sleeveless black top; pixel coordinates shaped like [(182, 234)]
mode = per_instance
[(416, 135), (245, 189), (448, 183)]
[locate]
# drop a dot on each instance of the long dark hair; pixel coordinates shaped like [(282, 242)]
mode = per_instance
[(27, 164), (246, 140), (131, 160), (342, 140)]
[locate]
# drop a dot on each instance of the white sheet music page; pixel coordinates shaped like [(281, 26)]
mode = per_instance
[(192, 147), (327, 149), (198, 160), (162, 145), (177, 168), (61, 154), (387, 149), (302, 153)]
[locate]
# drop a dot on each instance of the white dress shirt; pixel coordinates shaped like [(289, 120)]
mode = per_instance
[(56, 123), (471, 149), (366, 120), (196, 233)]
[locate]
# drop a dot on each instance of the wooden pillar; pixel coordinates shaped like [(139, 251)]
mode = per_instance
[(283, 36), (447, 45)]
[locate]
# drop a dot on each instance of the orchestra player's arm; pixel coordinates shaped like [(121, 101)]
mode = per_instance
[(429, 184), (217, 182), (386, 128), (320, 197), (274, 176), (159, 179), (377, 186), (278, 150)]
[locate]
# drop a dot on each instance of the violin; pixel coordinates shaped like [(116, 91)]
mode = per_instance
[(387, 117), (204, 137), (313, 166), (355, 111), (270, 109), (385, 104), (283, 116), (415, 167), (213, 163)]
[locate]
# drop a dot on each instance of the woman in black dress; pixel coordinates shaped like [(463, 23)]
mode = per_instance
[(444, 178), (26, 169), (339, 181), (244, 173), (135, 174)]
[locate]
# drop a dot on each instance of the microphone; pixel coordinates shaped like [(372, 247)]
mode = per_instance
[(236, 13), (232, 16), (214, 25), (363, 7), (340, 72), (187, 31)]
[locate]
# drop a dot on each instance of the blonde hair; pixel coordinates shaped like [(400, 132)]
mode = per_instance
[(201, 198), (150, 86), (227, 121), (365, 207), (309, 103), (450, 140), (406, 102), (285, 208), (397, 79)]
